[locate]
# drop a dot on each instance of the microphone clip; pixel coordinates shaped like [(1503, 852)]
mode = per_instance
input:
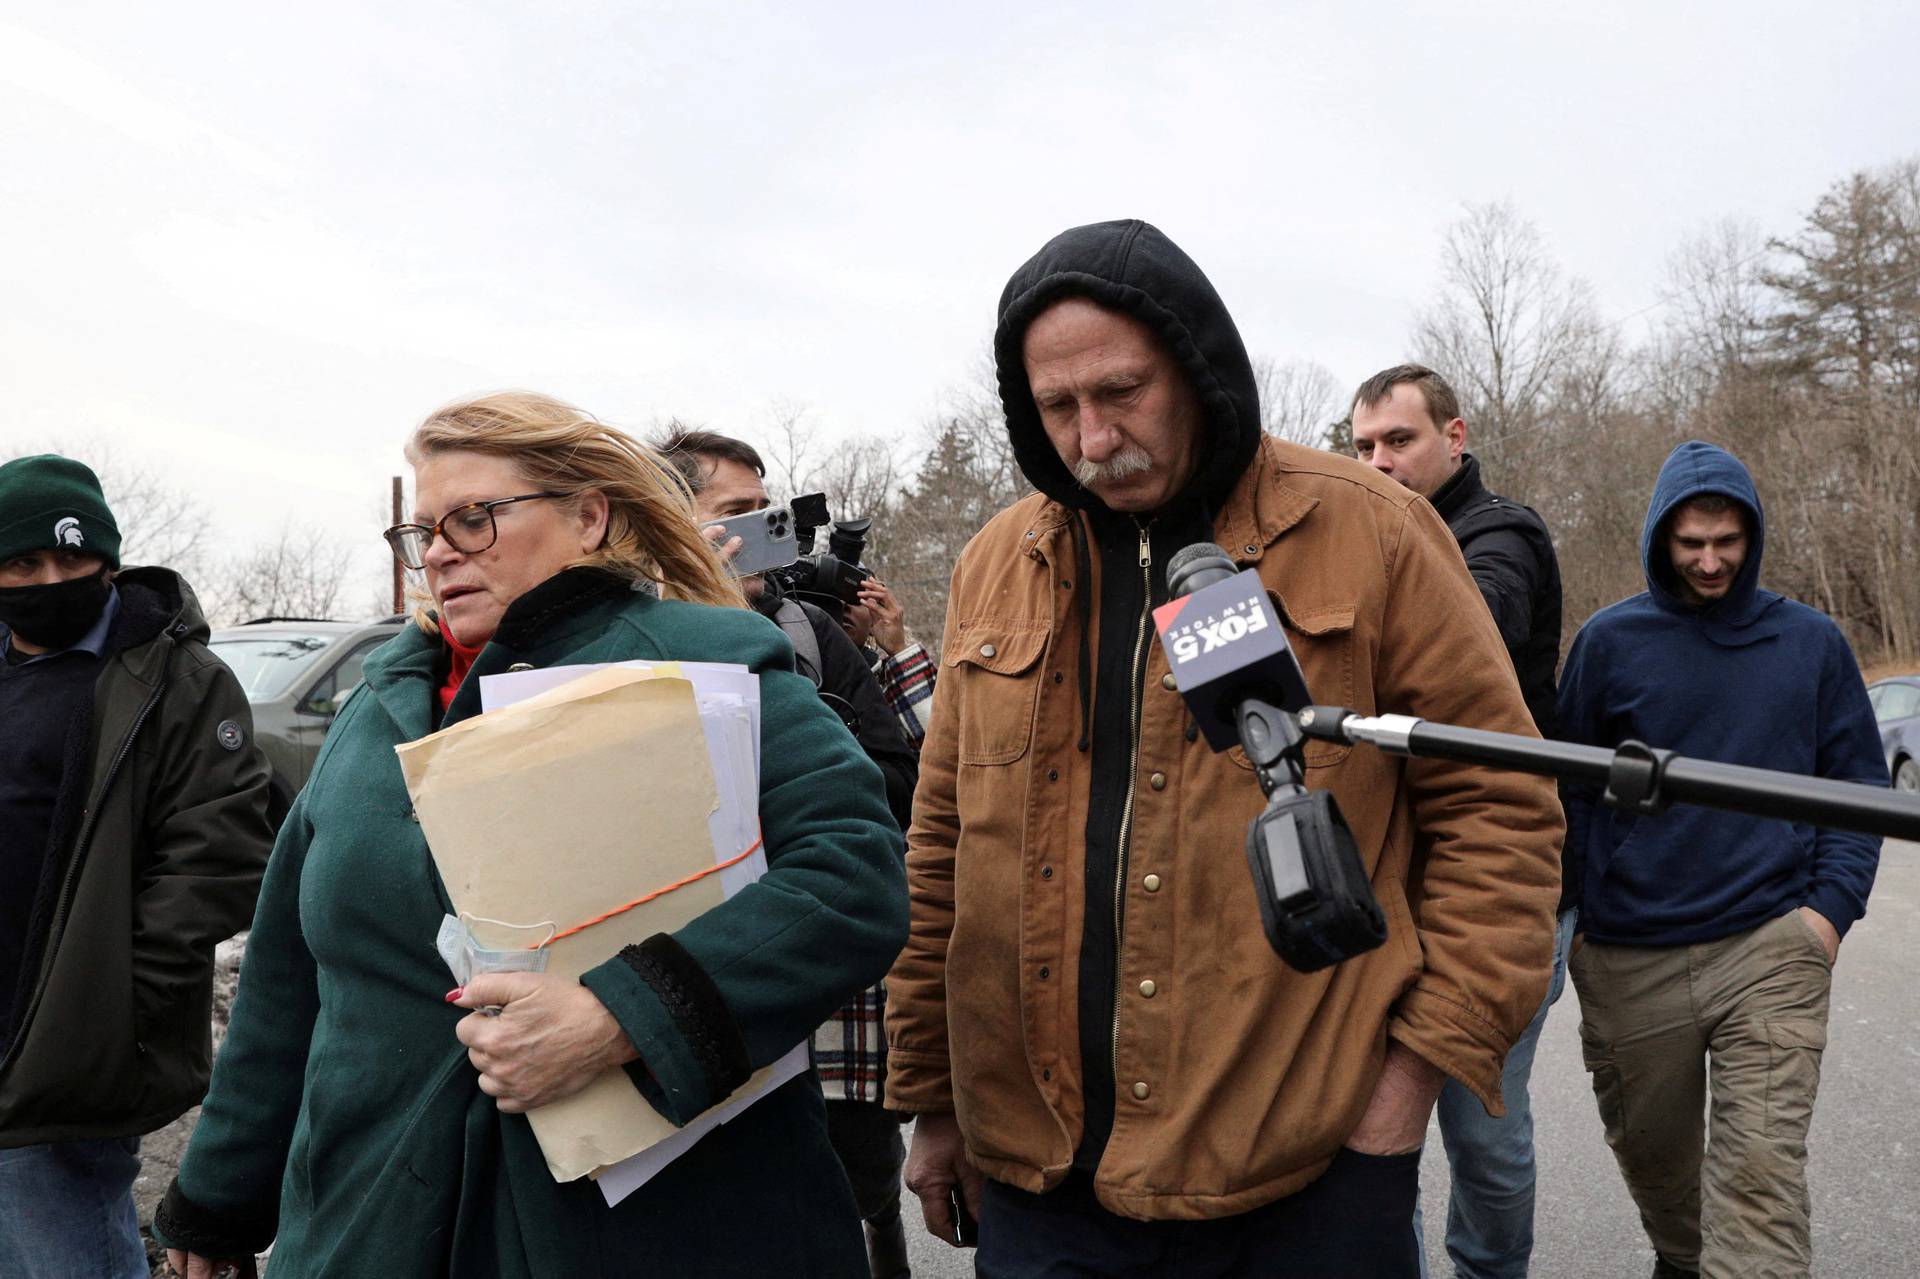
[(1636, 780), (1273, 742)]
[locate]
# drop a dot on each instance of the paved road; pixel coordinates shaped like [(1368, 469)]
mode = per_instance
[(1865, 1140)]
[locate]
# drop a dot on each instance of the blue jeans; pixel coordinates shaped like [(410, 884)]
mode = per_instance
[(69, 1211), (1490, 1218)]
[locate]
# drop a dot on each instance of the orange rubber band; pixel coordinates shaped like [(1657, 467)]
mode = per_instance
[(662, 891)]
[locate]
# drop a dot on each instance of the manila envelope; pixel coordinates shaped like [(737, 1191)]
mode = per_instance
[(560, 808)]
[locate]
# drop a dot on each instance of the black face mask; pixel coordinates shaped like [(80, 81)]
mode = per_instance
[(56, 614)]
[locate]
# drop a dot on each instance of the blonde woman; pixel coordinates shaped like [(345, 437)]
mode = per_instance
[(360, 1115)]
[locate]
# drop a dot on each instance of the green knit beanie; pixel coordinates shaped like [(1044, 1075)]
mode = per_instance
[(48, 503)]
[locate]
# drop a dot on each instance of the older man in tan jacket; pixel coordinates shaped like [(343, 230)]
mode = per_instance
[(1088, 1012)]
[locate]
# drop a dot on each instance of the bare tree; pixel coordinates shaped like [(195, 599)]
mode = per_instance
[(787, 446), (1717, 295), (302, 573), (1300, 400), (1508, 325), (971, 409), (862, 477), (967, 475)]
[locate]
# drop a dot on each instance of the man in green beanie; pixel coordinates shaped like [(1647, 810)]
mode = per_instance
[(131, 793)]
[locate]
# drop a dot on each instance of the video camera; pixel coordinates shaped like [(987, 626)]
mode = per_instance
[(830, 579)]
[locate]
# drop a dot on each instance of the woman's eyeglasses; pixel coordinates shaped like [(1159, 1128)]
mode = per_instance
[(469, 529)]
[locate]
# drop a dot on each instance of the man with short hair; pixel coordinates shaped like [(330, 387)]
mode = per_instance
[(133, 834), (1707, 937), (1088, 1015), (849, 1052), (1407, 425)]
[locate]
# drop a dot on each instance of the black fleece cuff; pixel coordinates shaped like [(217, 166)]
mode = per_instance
[(699, 1013), (180, 1223)]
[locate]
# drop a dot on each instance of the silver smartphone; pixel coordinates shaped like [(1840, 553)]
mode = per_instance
[(768, 539)]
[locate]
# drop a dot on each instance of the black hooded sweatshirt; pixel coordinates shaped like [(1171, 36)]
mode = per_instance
[(1133, 268)]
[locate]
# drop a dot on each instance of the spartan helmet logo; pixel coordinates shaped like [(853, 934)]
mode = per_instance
[(67, 533)]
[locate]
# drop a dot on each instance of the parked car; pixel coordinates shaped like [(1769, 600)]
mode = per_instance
[(297, 673), (1896, 708)]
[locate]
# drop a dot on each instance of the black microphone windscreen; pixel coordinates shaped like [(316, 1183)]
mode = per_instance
[(1196, 566)]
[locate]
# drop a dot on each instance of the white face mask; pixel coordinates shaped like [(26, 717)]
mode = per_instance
[(519, 948)]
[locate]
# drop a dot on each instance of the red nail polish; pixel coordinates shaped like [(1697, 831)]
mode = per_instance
[(454, 994)]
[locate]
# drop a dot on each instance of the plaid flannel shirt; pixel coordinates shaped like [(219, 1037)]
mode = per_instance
[(906, 678), (850, 1049)]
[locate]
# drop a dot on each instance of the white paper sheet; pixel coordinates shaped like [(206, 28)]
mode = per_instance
[(627, 1176)]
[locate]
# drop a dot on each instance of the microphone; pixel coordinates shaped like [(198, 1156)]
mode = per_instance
[(1239, 678), (1225, 644)]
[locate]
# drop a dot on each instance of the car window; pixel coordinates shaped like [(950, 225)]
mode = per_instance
[(266, 665), (1897, 701), (346, 673)]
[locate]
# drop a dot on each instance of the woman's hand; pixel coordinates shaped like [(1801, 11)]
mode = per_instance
[(552, 1037), (191, 1265)]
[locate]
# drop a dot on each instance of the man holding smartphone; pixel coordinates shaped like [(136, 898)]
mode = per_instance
[(728, 479)]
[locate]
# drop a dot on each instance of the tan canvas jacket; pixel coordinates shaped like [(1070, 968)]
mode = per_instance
[(1237, 1078)]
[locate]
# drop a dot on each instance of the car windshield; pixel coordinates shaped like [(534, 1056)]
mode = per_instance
[(266, 664), (1895, 701)]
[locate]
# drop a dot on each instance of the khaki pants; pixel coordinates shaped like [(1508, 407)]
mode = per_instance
[(1727, 1196)]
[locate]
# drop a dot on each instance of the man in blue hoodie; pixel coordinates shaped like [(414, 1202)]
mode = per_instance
[(1710, 937)]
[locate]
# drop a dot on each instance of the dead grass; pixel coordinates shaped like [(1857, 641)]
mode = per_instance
[(1897, 666)]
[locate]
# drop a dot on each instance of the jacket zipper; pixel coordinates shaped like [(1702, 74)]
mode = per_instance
[(64, 904), (1133, 783)]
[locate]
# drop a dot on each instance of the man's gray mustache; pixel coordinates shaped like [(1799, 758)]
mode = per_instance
[(1127, 462)]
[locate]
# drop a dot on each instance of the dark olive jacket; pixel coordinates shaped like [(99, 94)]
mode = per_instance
[(345, 1120), (169, 840)]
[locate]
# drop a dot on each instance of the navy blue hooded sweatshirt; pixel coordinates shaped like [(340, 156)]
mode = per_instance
[(1753, 678)]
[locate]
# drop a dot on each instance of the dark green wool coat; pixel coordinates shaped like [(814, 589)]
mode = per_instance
[(344, 1115)]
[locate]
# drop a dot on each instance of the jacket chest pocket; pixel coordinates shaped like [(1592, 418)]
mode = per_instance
[(1322, 638), (993, 672), (1322, 642)]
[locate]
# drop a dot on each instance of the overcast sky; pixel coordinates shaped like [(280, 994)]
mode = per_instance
[(249, 247)]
